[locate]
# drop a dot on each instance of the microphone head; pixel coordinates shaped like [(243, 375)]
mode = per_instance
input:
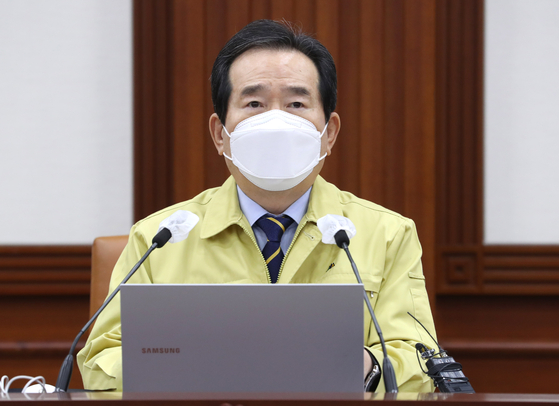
[(331, 224), (162, 237), (179, 224), (341, 238)]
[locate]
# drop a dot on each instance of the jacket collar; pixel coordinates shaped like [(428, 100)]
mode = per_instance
[(324, 200), (224, 209)]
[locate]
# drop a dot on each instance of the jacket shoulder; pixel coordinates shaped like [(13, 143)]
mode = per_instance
[(197, 205), (373, 218), (351, 202), (366, 212)]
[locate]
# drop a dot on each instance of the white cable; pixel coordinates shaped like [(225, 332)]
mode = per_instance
[(40, 380), (5, 383), (2, 384)]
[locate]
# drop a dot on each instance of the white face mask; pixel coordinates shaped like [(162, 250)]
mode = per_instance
[(275, 150)]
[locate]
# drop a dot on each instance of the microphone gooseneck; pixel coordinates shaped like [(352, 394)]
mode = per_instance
[(390, 384), (175, 228), (338, 230), (66, 370)]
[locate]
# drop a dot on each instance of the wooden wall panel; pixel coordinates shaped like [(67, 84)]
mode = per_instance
[(44, 302), (419, 136), (37, 333), (44, 270), (505, 343), (190, 81), (371, 107), (521, 270), (394, 105), (153, 107), (460, 120)]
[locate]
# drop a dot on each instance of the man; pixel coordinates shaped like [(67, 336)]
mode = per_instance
[(274, 94)]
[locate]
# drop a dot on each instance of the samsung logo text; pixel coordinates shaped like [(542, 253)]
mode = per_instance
[(161, 350)]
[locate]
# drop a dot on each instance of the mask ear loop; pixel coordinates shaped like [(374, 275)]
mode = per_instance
[(324, 130), (224, 154), (321, 134)]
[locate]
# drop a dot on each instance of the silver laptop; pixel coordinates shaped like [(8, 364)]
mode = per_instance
[(296, 338)]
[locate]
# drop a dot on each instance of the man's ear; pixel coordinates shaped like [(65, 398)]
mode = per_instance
[(216, 132), (334, 125)]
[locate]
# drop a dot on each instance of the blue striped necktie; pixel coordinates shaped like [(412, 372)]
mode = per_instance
[(274, 228)]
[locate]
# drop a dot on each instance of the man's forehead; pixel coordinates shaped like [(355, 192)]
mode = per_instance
[(256, 70)]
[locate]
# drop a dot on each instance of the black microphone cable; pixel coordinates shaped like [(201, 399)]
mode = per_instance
[(445, 372)]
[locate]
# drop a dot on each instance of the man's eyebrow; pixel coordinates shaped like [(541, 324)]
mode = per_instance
[(250, 90), (298, 90)]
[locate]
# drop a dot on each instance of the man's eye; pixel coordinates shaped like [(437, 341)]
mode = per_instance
[(254, 104), (297, 105)]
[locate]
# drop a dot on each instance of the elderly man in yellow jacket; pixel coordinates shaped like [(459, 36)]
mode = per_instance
[(274, 94)]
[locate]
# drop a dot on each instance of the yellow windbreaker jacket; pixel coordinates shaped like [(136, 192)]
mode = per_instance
[(222, 249)]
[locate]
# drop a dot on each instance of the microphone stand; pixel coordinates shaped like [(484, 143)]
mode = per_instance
[(67, 367), (389, 375)]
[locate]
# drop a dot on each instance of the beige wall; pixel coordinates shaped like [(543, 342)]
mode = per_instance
[(65, 120), (522, 122)]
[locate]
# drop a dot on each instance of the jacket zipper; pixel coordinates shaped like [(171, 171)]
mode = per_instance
[(289, 249), (261, 255)]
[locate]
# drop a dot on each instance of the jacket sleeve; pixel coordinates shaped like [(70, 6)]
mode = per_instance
[(403, 290), (100, 361)]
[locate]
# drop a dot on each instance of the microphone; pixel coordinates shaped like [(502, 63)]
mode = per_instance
[(174, 228), (335, 230)]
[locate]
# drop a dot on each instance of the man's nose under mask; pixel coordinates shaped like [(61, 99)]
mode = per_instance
[(275, 150)]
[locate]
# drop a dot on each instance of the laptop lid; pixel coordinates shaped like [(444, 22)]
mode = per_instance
[(297, 338)]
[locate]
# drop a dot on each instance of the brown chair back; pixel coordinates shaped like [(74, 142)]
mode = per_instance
[(104, 254)]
